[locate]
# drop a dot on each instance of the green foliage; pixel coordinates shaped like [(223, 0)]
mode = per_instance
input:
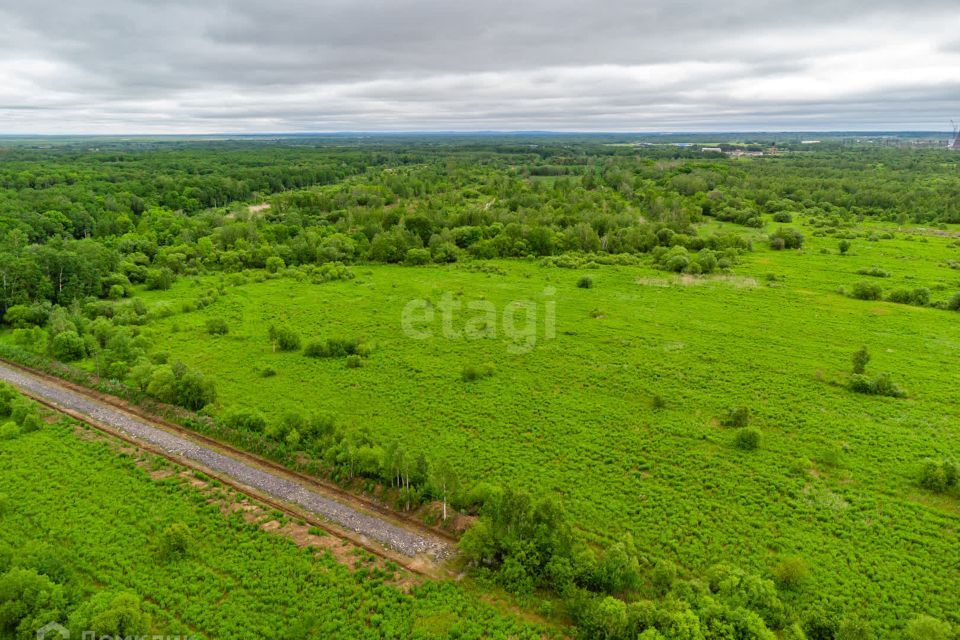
[(786, 238), (866, 291), (246, 419), (736, 417), (747, 439), (919, 297), (792, 573), (175, 541), (585, 282), (879, 385), (334, 348), (873, 271), (117, 615), (68, 346), (274, 264), (954, 303), (926, 627), (270, 583), (939, 476), (284, 338), (175, 384), (217, 326), (471, 373), (861, 358), (9, 431)]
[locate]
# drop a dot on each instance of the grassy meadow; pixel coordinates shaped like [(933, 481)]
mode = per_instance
[(620, 413)]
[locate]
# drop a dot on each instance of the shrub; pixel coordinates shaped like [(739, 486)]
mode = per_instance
[(354, 361), (791, 573), (274, 264), (855, 629), (333, 348), (737, 417), (9, 431), (68, 346), (217, 326), (874, 271), (953, 304), (195, 391), (111, 615), (747, 439), (867, 291), (939, 476), (585, 282), (175, 541), (782, 216), (664, 575), (919, 297), (284, 338), (860, 360), (844, 247), (471, 373), (880, 385), (246, 419), (926, 627), (268, 372), (416, 257), (786, 239), (159, 279), (31, 422)]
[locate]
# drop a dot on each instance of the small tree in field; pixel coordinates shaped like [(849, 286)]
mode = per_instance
[(860, 360), (175, 541), (844, 247), (747, 439)]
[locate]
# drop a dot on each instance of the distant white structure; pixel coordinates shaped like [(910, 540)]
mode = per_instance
[(706, 149), (955, 145), (809, 142)]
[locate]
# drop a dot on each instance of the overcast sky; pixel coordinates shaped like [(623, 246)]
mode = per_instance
[(203, 66)]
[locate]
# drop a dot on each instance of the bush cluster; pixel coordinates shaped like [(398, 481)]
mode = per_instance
[(879, 385), (939, 476)]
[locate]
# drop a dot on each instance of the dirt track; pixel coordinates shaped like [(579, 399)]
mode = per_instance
[(270, 482)]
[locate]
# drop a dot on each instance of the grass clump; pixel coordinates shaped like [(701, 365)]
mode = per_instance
[(470, 373), (747, 439)]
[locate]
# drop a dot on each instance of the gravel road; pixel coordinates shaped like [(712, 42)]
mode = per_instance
[(399, 539)]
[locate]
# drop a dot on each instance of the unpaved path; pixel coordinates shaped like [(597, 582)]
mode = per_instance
[(400, 539)]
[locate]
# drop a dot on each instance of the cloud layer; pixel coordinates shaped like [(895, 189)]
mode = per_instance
[(148, 66)]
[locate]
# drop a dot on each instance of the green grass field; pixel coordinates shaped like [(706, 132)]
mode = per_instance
[(94, 520), (834, 480)]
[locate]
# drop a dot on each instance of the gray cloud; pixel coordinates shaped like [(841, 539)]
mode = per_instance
[(300, 65)]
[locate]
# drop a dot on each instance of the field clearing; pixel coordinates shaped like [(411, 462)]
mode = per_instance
[(574, 416)]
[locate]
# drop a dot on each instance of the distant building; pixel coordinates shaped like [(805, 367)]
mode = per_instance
[(739, 153), (714, 149), (809, 142)]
